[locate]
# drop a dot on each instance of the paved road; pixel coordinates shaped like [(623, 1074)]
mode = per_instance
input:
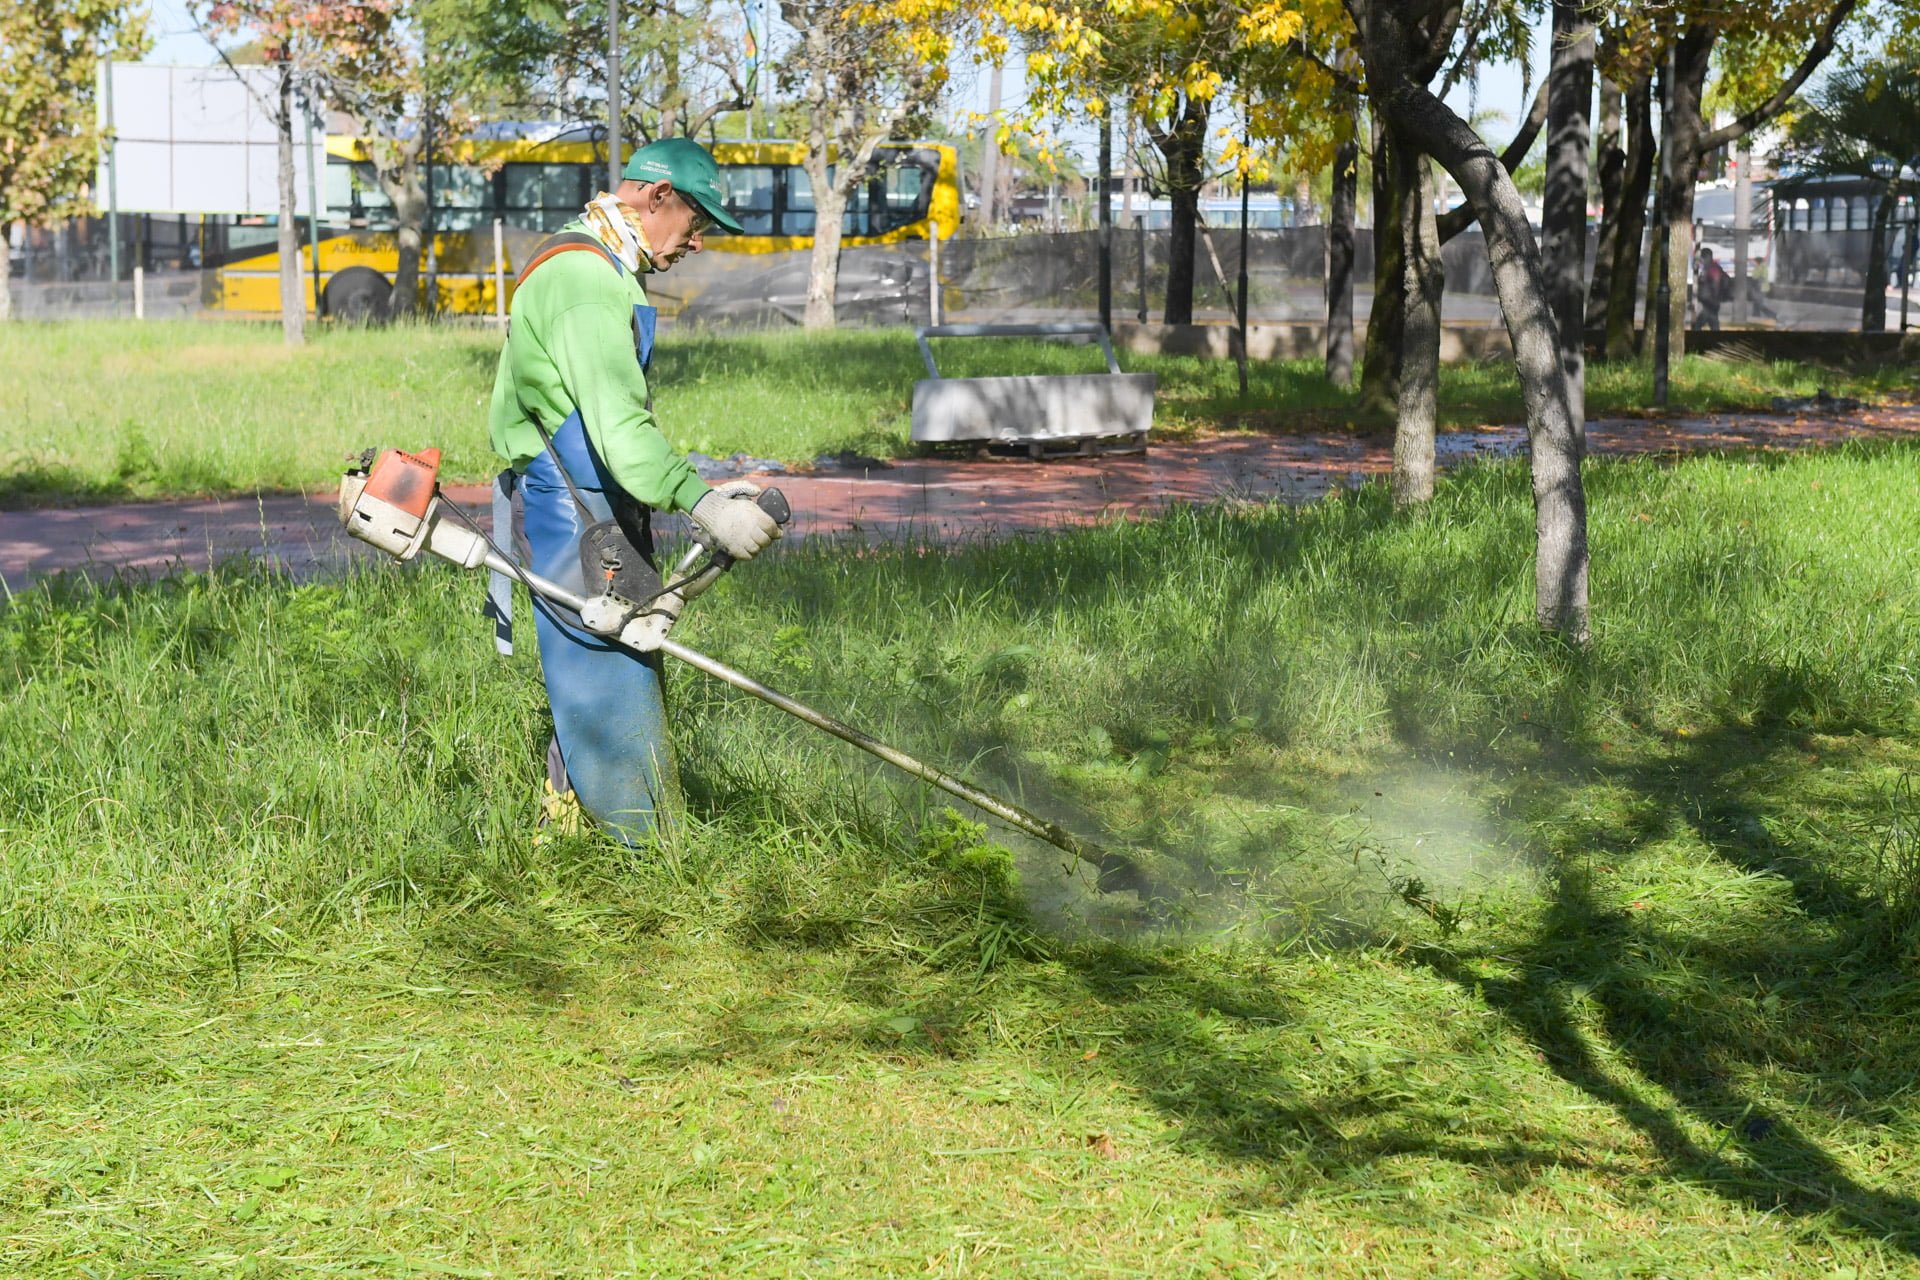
[(933, 499)]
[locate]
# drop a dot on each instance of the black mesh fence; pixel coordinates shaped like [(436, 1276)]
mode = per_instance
[(1799, 278)]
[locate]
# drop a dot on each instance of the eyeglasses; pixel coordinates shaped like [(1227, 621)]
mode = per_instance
[(701, 218)]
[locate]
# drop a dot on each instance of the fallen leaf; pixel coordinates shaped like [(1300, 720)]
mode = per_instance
[(1101, 1145)]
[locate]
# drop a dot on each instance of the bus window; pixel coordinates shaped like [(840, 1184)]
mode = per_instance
[(798, 218), (542, 196), (461, 195), (365, 201), (906, 191), (339, 192), (854, 221), (748, 192)]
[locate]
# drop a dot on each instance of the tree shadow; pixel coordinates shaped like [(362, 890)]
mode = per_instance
[(1689, 1003)]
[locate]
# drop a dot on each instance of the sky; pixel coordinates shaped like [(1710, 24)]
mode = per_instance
[(178, 42)]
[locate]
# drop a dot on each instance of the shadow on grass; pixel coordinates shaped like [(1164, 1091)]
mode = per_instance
[(1689, 1002), (1662, 1015), (26, 487)]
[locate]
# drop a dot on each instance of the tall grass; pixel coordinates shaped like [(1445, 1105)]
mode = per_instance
[(1182, 686), (109, 410), (290, 983)]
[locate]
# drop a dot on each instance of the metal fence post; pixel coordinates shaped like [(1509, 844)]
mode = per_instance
[(499, 271), (1140, 223), (933, 271)]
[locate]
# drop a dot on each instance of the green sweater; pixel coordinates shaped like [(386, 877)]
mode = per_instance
[(571, 347)]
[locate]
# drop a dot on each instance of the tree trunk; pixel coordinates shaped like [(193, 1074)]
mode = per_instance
[(6, 271), (1564, 207), (1419, 398), (1873, 305), (1610, 168), (409, 238), (1184, 146), (293, 306), (397, 168), (1693, 54), (1623, 286), (1386, 320), (1554, 440), (1340, 229), (823, 267)]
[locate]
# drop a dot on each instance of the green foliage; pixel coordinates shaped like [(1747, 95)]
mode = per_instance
[(1862, 121), (49, 136)]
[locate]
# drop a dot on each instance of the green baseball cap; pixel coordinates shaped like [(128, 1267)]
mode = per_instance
[(690, 168)]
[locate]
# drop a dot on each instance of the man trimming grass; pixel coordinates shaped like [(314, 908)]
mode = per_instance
[(572, 417)]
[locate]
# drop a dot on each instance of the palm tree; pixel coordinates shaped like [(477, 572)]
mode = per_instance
[(1864, 122)]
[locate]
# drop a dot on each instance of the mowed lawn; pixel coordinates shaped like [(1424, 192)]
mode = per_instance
[(1481, 957), (113, 410)]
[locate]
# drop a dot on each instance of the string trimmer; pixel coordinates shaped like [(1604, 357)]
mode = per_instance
[(393, 501)]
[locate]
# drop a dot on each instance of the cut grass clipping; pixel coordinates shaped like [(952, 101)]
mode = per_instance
[(1495, 959), (98, 411)]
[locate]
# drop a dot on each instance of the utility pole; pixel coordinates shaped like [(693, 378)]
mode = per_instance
[(113, 190), (1240, 295), (753, 64), (613, 95), (1742, 229), (314, 130), (1106, 217), (990, 154), (433, 257), (1662, 246), (1913, 241)]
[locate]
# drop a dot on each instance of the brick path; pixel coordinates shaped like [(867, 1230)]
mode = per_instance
[(928, 498)]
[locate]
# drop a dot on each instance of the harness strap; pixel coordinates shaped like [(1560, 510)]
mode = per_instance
[(563, 242)]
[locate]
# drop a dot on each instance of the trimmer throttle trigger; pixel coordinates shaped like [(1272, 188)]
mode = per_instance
[(774, 503), (771, 501)]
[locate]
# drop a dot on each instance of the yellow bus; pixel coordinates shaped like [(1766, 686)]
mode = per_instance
[(532, 185)]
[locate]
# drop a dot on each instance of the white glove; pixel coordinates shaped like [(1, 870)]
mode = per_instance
[(646, 632), (738, 489), (733, 525)]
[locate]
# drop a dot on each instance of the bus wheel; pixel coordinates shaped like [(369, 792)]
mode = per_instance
[(358, 295)]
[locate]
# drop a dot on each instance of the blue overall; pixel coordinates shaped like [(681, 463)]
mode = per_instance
[(609, 713)]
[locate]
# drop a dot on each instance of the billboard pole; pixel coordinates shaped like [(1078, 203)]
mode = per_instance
[(613, 95), (113, 186), (313, 207)]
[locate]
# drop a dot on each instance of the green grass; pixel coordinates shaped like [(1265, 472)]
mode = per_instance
[(289, 990), (107, 411)]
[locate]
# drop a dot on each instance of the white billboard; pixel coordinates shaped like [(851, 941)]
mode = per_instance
[(202, 140)]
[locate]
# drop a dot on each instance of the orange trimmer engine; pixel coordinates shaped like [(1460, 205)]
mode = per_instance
[(392, 500)]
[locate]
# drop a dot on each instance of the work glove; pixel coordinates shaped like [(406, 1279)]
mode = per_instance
[(733, 525), (646, 631)]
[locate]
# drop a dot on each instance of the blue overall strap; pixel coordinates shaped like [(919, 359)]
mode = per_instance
[(510, 539), (609, 709), (646, 320)]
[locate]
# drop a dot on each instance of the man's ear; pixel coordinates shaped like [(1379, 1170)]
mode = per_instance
[(658, 194)]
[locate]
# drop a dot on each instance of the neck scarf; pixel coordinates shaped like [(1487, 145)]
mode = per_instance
[(617, 225)]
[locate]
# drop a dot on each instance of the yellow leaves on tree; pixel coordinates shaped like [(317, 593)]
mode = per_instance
[(1158, 54)]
